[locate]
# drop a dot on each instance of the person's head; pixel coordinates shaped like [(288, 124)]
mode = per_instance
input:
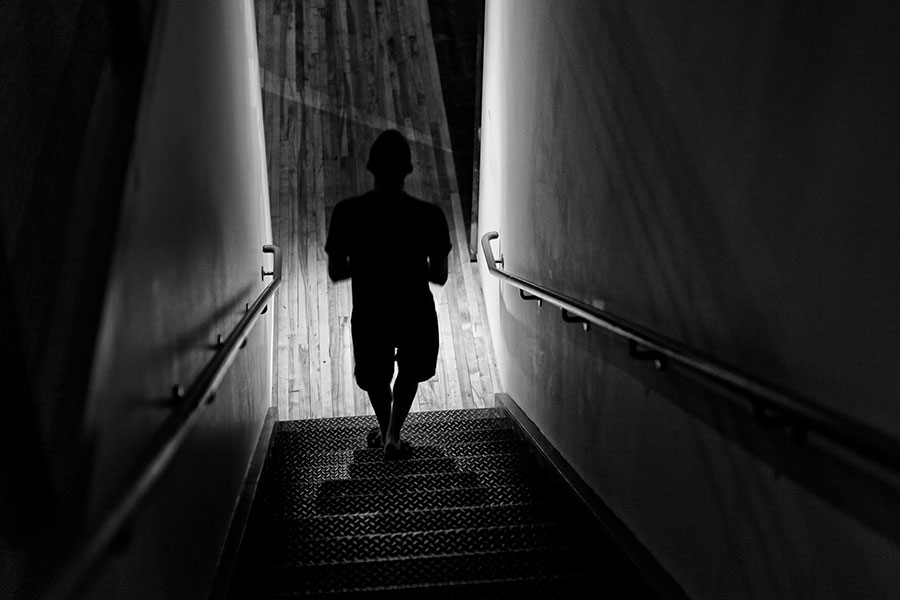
[(389, 158)]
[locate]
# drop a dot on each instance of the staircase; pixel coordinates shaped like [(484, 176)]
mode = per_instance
[(468, 515)]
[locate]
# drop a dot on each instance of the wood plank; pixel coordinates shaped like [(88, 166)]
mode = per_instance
[(449, 369), (331, 367), (273, 151), (309, 166), (462, 369), (346, 358), (295, 401), (338, 314), (302, 409), (290, 215), (470, 283), (463, 311), (323, 158), (342, 378)]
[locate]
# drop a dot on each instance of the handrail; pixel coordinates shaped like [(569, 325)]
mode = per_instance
[(165, 444), (772, 404)]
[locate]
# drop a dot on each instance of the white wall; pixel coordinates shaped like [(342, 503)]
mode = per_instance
[(725, 175), (195, 216)]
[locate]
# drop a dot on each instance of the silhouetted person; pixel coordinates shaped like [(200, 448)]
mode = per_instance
[(390, 245)]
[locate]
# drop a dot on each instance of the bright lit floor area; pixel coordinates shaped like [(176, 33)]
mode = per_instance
[(334, 75)]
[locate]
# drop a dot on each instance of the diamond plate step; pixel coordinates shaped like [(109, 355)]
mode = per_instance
[(545, 588), (467, 515), (416, 520), (293, 551), (358, 432), (360, 455), (296, 468), (394, 572), (462, 417), (424, 481), (427, 434), (330, 488), (297, 505)]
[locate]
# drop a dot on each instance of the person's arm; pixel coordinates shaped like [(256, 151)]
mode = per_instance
[(335, 246), (437, 270), (338, 267), (440, 249)]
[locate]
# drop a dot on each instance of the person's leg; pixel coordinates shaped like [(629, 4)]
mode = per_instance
[(416, 361), (380, 398), (374, 357), (404, 392)]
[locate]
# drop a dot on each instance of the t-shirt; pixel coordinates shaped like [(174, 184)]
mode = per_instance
[(388, 238)]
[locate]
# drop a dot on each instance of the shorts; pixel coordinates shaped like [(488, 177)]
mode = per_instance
[(413, 342)]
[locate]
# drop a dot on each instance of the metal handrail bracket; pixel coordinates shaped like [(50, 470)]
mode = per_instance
[(778, 404), (164, 446)]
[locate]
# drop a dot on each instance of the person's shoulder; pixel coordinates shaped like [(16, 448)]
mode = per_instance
[(424, 205), (414, 199), (350, 201), (351, 204)]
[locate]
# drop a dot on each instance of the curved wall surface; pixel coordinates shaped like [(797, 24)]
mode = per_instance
[(726, 176), (193, 221)]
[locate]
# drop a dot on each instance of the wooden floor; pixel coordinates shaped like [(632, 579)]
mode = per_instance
[(334, 74)]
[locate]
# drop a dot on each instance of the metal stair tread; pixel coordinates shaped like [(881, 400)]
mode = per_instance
[(365, 486), (324, 441), (361, 429), (438, 542), (313, 489), (467, 515), (296, 468), (548, 587), (340, 456), (293, 493), (452, 415), (388, 503), (412, 570), (421, 519)]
